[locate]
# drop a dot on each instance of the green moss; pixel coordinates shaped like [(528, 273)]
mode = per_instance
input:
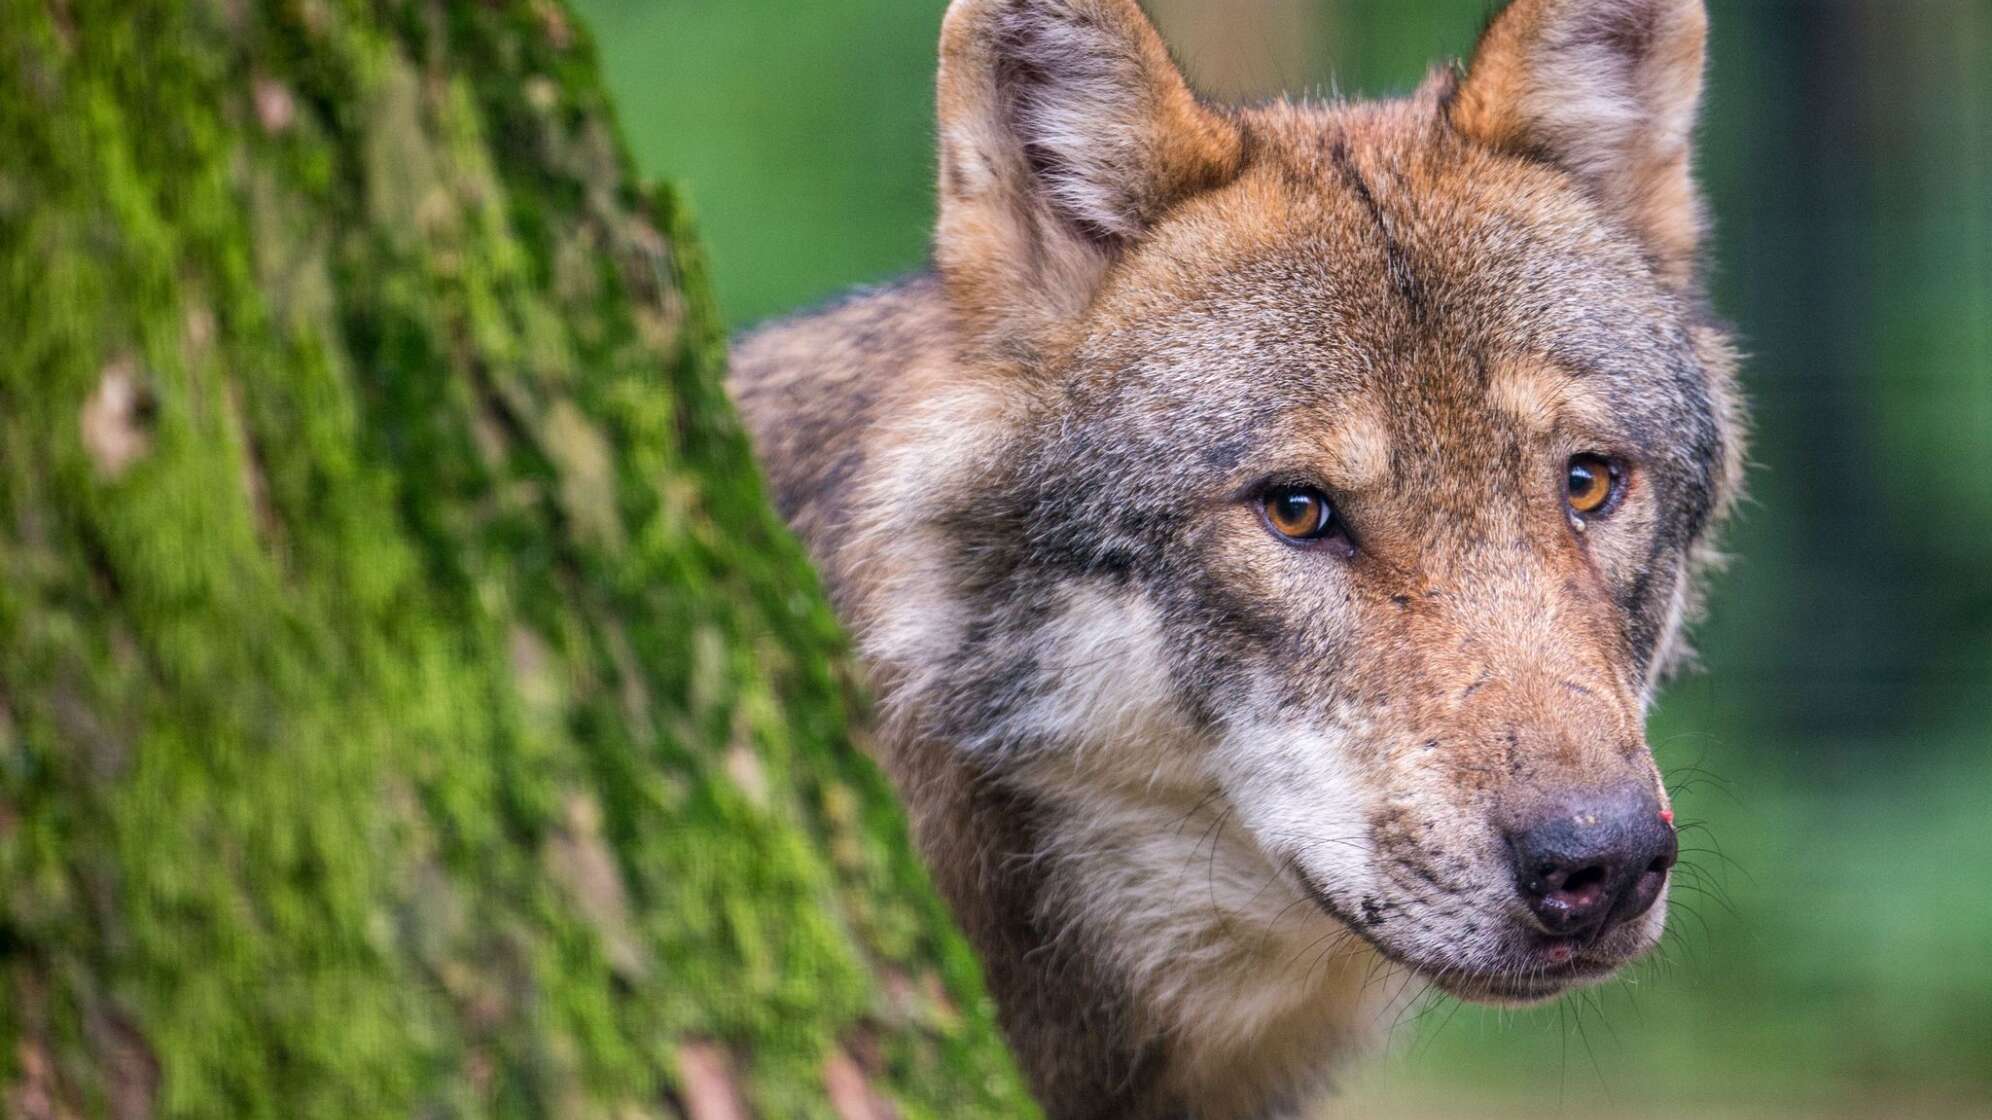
[(430, 718)]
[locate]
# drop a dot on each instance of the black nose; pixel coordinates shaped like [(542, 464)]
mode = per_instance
[(1595, 862)]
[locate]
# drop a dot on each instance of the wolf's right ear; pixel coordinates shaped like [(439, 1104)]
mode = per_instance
[(1065, 132)]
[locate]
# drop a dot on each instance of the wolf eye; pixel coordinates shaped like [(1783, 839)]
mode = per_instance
[(1593, 486), (1301, 514)]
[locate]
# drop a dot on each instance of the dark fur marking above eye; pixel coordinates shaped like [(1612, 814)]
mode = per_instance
[(1225, 454), (1399, 262)]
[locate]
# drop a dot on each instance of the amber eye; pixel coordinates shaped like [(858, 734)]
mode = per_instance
[(1593, 486), (1300, 513)]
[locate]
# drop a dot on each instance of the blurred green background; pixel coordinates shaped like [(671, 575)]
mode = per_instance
[(1832, 944)]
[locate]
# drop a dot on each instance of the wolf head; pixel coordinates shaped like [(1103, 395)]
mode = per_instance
[(1344, 467)]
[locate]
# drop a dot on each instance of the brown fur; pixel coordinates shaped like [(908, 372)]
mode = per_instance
[(1187, 786)]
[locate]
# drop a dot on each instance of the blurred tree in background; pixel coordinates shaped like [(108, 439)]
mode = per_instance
[(409, 706), (1832, 958)]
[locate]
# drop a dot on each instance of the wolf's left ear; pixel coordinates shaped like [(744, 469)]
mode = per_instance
[(1066, 132), (1609, 90)]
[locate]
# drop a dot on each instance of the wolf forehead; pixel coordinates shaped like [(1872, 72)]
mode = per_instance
[(1376, 296)]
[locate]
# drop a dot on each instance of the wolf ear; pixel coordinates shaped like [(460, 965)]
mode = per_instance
[(1607, 89), (1065, 133)]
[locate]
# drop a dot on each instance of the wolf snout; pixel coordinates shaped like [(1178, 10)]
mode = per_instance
[(1592, 863)]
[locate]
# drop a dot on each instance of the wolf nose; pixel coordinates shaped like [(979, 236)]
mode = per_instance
[(1595, 862)]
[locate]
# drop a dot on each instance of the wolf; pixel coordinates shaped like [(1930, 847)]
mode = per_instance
[(1265, 528)]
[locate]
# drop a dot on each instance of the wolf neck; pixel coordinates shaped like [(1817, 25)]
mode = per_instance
[(1147, 961), (1252, 994)]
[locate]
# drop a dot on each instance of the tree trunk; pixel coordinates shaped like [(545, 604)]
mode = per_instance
[(409, 706)]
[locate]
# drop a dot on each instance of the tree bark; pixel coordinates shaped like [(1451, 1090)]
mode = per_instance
[(409, 705)]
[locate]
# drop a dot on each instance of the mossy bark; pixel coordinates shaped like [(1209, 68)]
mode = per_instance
[(408, 704)]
